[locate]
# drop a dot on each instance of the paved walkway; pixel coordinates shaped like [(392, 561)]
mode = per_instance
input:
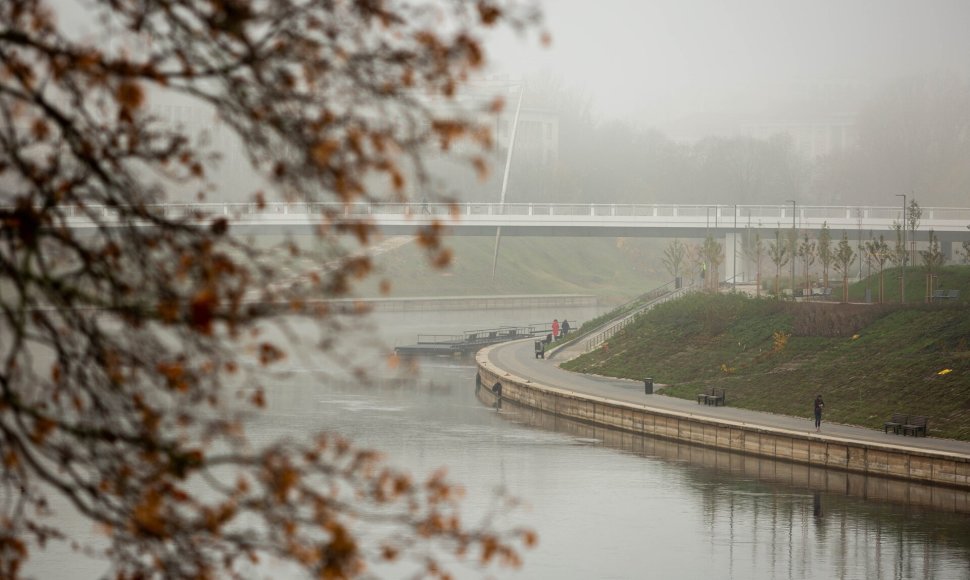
[(519, 358)]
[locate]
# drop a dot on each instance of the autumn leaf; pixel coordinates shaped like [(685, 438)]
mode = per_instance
[(323, 151), (40, 129), (130, 95), (488, 12), (147, 517), (202, 310)]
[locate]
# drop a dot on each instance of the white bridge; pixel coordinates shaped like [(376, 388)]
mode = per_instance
[(727, 223), (544, 219)]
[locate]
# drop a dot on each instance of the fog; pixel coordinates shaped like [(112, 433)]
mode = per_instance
[(700, 101), (748, 102), (654, 62)]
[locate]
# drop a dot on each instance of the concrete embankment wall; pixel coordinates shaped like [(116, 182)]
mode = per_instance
[(930, 467), (749, 467)]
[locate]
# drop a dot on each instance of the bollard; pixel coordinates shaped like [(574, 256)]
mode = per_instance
[(648, 386)]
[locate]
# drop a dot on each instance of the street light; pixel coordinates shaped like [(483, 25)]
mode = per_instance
[(793, 240), (902, 280), (734, 249)]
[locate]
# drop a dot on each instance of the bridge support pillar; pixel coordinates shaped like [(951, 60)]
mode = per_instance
[(952, 251), (733, 264)]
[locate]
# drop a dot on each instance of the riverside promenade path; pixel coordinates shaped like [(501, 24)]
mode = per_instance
[(518, 359)]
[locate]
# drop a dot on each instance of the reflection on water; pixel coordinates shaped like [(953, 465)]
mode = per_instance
[(781, 472), (756, 511), (605, 504)]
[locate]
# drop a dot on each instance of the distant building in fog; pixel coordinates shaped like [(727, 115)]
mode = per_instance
[(538, 134), (813, 137), (820, 117)]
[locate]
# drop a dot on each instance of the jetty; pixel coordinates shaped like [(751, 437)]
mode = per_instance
[(470, 341)]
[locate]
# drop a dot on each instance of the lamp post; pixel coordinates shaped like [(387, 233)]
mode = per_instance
[(707, 234), (902, 280), (793, 241), (734, 249)]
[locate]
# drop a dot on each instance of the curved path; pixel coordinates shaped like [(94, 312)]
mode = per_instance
[(518, 358)]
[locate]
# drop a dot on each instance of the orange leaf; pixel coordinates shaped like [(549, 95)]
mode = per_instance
[(322, 152), (269, 353), (203, 310), (130, 95), (489, 13)]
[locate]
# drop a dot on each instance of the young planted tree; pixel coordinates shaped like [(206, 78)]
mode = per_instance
[(913, 216), (824, 252), (753, 249), (807, 252), (713, 256), (933, 259), (779, 256), (898, 257), (674, 256), (878, 253), (125, 340), (844, 258), (695, 262)]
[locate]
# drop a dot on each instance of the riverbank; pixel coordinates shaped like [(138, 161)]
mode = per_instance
[(868, 361), (507, 371), (764, 470)]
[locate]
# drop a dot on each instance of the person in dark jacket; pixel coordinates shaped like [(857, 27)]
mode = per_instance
[(819, 404), (565, 328)]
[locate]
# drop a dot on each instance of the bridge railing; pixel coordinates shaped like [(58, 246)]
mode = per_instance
[(722, 216)]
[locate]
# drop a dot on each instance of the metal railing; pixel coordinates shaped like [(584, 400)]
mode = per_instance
[(609, 329), (717, 215)]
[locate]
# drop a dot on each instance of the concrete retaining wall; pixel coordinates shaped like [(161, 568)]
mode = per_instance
[(931, 467)]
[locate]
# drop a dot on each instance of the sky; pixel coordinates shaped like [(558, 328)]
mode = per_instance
[(652, 61)]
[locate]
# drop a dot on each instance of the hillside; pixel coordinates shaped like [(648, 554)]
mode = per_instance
[(867, 361), (614, 269)]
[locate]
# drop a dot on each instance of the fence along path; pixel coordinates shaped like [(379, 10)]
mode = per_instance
[(630, 312)]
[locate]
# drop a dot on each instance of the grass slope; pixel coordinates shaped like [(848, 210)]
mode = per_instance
[(614, 269), (868, 361)]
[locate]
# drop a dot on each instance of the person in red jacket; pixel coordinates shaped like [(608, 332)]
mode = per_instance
[(555, 329)]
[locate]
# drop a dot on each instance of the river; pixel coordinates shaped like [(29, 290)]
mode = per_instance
[(603, 505)]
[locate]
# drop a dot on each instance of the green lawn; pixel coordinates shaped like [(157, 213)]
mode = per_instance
[(868, 361)]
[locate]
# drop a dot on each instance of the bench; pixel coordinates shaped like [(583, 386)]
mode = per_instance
[(713, 396), (915, 424), (895, 423), (946, 294)]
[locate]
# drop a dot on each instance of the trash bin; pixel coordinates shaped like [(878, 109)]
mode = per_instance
[(648, 386)]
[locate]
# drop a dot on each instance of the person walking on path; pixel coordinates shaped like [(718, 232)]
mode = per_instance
[(555, 329), (819, 404), (565, 328)]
